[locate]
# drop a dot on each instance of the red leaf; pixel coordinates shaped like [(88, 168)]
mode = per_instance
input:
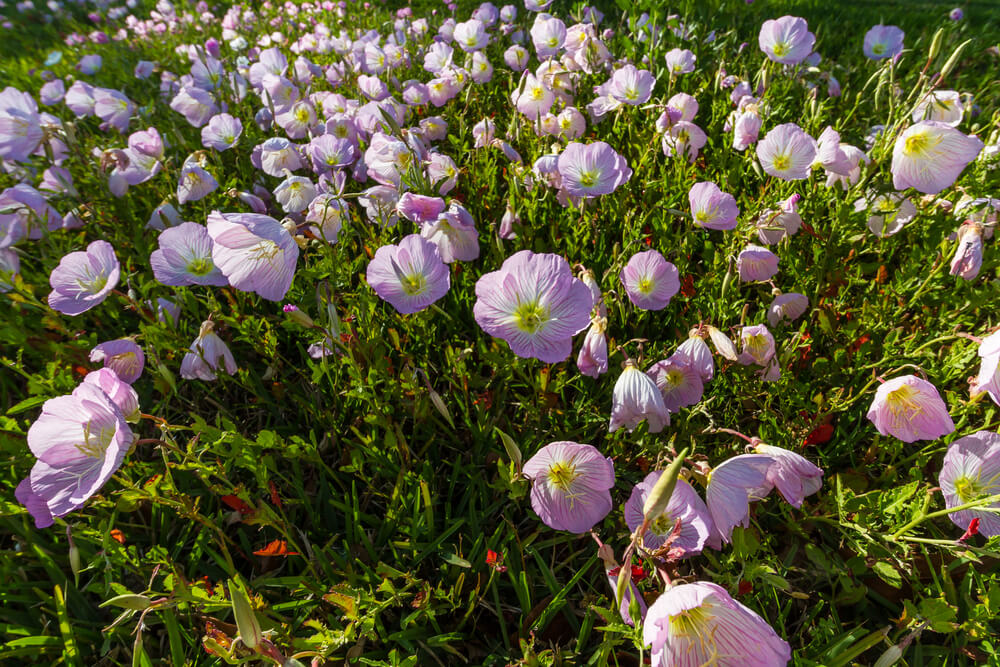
[(276, 548), (275, 498), (234, 502), (820, 435), (973, 529)]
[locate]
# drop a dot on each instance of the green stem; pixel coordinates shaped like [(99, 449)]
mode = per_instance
[(988, 500)]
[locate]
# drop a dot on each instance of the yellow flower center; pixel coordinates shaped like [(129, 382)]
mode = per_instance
[(414, 284), (588, 178), (200, 267), (967, 489), (562, 474), (919, 144), (782, 162), (645, 285), (780, 49), (690, 623), (530, 317)]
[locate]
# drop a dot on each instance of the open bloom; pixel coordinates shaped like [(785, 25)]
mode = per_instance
[(185, 257), (592, 170), (650, 280), (208, 351), (410, 276), (679, 383), (254, 252), (571, 485), (971, 470), (910, 409), (786, 40), (930, 155), (700, 624), (80, 440), (685, 505), (84, 279), (535, 304), (787, 152), (712, 208), (636, 397), (123, 356), (680, 61), (632, 86), (883, 41), (887, 213)]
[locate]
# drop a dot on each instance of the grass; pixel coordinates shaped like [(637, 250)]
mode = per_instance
[(360, 495)]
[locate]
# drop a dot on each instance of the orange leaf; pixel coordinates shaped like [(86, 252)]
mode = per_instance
[(118, 536)]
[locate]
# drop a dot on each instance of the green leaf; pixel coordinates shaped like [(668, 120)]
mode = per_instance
[(888, 574)]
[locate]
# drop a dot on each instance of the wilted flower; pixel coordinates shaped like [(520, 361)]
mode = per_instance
[(970, 471), (592, 170), (254, 252), (207, 352), (535, 304), (786, 40), (712, 208), (650, 281), (84, 279), (410, 276), (637, 398), (910, 409), (571, 485), (123, 356), (930, 155), (700, 624)]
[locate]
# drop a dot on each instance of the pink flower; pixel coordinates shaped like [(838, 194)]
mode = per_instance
[(84, 279), (410, 276), (971, 470), (786, 40), (930, 155), (571, 485), (712, 208), (123, 356), (700, 624), (535, 304), (910, 409), (254, 252), (637, 398), (679, 383), (650, 280), (756, 263), (685, 505), (793, 475), (592, 170), (208, 351), (787, 152), (80, 441), (883, 41), (731, 486)]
